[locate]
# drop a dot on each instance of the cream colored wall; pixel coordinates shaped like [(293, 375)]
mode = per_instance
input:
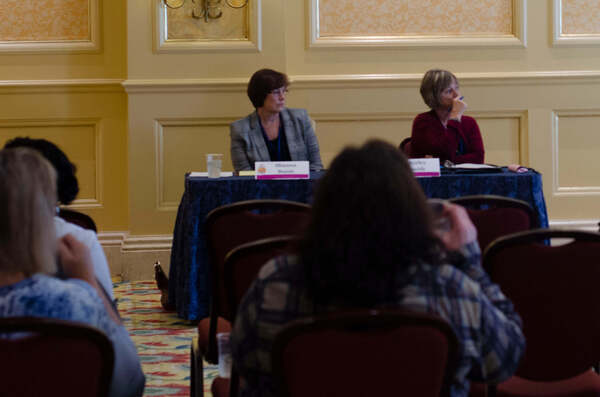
[(534, 93), (73, 99)]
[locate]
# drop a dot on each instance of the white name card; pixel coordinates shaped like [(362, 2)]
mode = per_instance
[(281, 170), (425, 167)]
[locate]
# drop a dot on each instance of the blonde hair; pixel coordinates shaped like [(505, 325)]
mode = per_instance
[(434, 82), (27, 206)]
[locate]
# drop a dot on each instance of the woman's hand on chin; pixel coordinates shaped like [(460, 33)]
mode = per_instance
[(458, 108)]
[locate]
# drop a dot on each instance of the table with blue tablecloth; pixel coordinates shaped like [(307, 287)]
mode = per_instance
[(188, 273)]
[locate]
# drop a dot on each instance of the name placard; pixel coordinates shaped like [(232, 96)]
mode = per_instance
[(425, 167), (281, 170)]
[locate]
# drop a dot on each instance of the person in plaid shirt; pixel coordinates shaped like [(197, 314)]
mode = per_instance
[(373, 242)]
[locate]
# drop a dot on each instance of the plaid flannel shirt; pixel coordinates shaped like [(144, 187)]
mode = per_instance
[(487, 327)]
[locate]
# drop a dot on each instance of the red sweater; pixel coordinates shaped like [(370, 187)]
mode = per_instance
[(430, 137)]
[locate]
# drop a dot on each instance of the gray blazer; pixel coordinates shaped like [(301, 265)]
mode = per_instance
[(248, 144)]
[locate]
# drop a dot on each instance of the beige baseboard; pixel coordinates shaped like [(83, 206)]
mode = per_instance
[(133, 257)]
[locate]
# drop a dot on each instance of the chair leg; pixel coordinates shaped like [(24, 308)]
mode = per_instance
[(490, 390), (196, 370)]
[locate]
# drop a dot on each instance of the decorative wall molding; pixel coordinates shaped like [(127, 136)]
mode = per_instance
[(160, 124), (79, 203), (161, 86), (557, 189), (588, 225), (523, 139), (60, 86), (164, 45), (562, 39), (408, 80), (129, 243), (91, 45), (147, 243), (517, 39)]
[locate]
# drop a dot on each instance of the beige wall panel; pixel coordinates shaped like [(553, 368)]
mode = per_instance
[(145, 63), (580, 16), (107, 62), (501, 139), (90, 126), (334, 134), (394, 17), (182, 147), (44, 20), (169, 134), (233, 23), (79, 141), (578, 146)]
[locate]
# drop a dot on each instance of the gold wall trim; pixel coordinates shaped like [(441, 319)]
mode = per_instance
[(522, 118), (409, 80), (147, 243), (184, 85), (130, 243), (562, 39), (162, 44), (91, 45), (160, 124), (60, 86), (557, 189), (589, 225), (97, 201), (517, 39)]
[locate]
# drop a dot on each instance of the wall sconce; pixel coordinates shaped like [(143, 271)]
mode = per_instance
[(207, 9)]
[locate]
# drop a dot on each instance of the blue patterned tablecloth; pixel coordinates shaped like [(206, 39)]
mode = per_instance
[(188, 274)]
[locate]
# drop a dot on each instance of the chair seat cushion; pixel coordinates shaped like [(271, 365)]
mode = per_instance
[(585, 385), (203, 327)]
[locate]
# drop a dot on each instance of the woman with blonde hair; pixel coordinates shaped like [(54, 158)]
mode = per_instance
[(28, 252), (444, 131)]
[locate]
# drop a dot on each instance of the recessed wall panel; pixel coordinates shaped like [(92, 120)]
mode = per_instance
[(335, 134), (578, 145), (501, 139), (78, 141), (184, 148)]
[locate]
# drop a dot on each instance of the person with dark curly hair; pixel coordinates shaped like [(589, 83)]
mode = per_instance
[(371, 243), (273, 132), (67, 188)]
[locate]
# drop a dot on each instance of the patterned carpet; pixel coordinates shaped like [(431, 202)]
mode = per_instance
[(163, 340)]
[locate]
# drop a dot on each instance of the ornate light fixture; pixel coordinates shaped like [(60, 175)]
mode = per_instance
[(207, 9)]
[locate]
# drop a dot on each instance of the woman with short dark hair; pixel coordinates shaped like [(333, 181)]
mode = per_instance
[(444, 132), (371, 243), (273, 132)]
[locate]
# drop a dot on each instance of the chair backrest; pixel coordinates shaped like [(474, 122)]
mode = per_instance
[(53, 358), (406, 147), (232, 225), (554, 289), (243, 263), (496, 216), (365, 353), (78, 218)]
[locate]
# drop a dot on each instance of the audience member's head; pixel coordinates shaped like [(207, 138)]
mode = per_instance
[(262, 83), (27, 206), (370, 216), (68, 186), (434, 82)]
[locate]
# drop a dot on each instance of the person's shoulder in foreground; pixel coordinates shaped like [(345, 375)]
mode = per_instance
[(90, 240), (76, 300)]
